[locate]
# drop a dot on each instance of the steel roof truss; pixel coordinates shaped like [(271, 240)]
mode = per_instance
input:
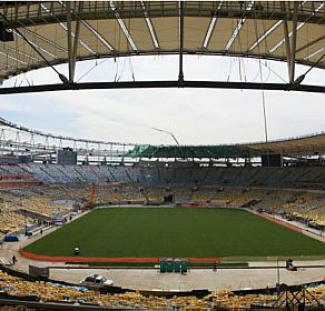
[(123, 26), (211, 27), (239, 27), (62, 25), (150, 26)]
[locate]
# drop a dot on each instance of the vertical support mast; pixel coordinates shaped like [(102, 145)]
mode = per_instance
[(181, 43), (290, 41), (72, 45), (69, 37), (294, 43), (76, 42)]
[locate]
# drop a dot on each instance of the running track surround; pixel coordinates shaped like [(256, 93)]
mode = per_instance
[(280, 222), (84, 259)]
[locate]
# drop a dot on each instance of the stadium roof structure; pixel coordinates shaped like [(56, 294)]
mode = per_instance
[(37, 34), (12, 140), (312, 145)]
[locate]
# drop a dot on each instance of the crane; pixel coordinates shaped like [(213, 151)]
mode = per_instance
[(166, 132)]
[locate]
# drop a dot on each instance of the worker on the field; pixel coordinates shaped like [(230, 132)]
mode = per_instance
[(77, 251), (215, 266)]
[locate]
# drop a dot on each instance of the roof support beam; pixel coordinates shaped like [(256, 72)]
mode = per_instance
[(69, 37), (98, 36), (314, 53), (32, 16), (163, 84), (211, 27), (265, 35), (287, 40), (181, 43), (36, 47), (20, 53), (292, 44), (75, 16), (43, 39), (75, 48), (63, 26), (72, 45), (13, 58), (210, 30), (290, 40), (123, 26), (239, 26), (311, 43), (150, 26)]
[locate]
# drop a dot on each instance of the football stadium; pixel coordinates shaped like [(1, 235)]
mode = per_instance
[(95, 224)]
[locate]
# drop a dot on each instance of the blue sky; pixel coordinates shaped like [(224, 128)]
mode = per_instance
[(195, 116)]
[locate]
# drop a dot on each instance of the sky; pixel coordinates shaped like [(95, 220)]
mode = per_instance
[(195, 116)]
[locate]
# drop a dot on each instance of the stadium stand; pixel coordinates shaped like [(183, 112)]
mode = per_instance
[(287, 177), (66, 188), (228, 187), (28, 207), (40, 291)]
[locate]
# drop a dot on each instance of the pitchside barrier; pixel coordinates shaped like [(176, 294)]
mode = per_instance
[(173, 265)]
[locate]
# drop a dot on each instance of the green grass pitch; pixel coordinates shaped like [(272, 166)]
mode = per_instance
[(175, 232)]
